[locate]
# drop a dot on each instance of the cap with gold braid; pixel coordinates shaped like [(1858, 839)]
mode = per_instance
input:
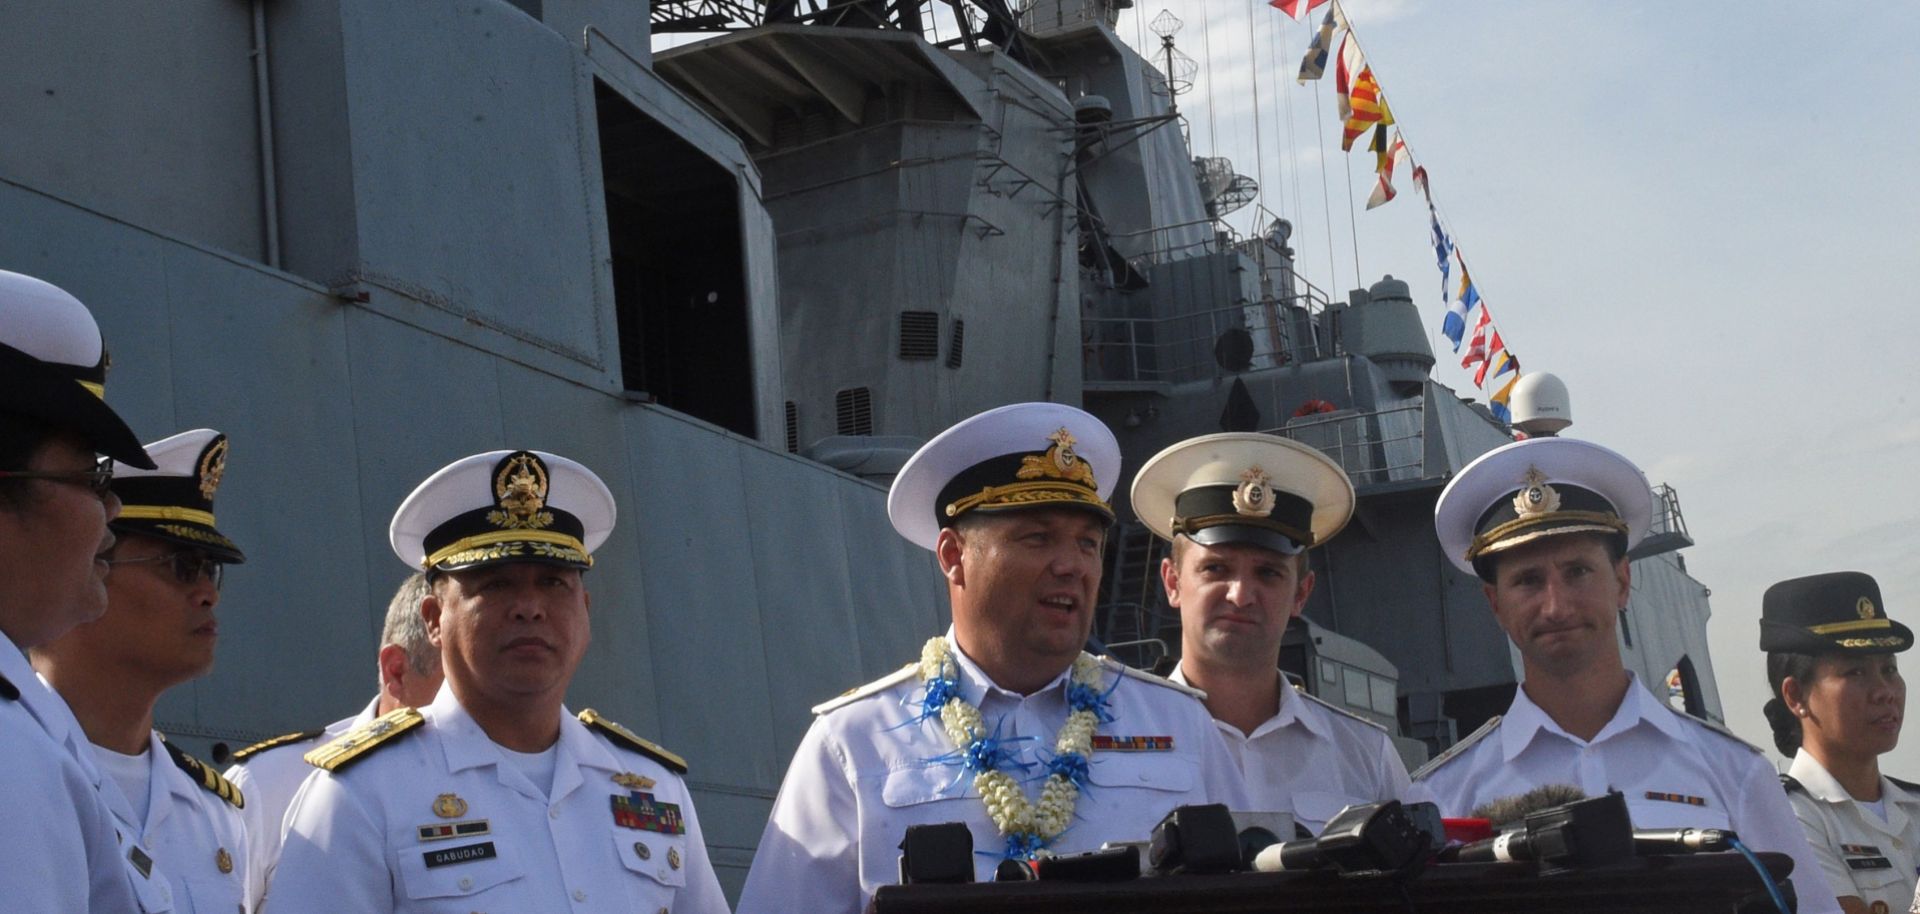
[(504, 506), (1528, 490), (1018, 457), (53, 367), (1836, 612), (174, 501), (1244, 488)]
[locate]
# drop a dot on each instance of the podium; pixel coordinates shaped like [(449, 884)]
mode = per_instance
[(1723, 883)]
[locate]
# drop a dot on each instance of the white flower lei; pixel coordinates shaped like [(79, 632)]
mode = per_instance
[(1028, 827)]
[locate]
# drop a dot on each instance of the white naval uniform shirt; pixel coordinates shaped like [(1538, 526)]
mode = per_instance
[(353, 838), (1312, 760), (1860, 854), (1647, 748), (187, 828), (269, 780), (59, 850), (861, 776)]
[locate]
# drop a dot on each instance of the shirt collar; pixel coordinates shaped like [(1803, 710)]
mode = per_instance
[(1293, 708), (1822, 785), (975, 681), (468, 746), (1525, 720)]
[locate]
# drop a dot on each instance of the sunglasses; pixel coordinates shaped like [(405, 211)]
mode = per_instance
[(188, 566), (99, 479)]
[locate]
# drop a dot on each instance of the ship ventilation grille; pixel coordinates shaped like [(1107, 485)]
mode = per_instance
[(919, 335), (793, 428), (853, 411), (958, 345)]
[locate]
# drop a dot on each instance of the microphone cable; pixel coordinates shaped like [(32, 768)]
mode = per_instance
[(1779, 900)]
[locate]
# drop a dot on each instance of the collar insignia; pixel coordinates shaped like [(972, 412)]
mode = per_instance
[(1254, 497), (1536, 497), (1059, 462), (520, 490), (1865, 607), (213, 465)]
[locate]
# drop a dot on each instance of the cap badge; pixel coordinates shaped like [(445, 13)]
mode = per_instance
[(1535, 497), (213, 465), (1254, 497), (1865, 607), (520, 490), (1059, 462)]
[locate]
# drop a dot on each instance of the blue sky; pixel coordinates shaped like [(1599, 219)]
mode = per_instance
[(1702, 217)]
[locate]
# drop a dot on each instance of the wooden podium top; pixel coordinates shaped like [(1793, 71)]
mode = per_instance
[(1722, 882)]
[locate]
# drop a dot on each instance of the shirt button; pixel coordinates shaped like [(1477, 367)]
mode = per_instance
[(553, 813), (579, 894), (665, 911), (465, 883)]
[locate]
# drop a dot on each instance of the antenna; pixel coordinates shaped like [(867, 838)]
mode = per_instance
[(1179, 68)]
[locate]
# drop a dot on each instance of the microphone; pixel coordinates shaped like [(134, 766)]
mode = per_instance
[(1654, 842), (1508, 810), (1369, 838), (1583, 833)]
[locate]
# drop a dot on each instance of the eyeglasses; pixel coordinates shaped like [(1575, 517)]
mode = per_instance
[(99, 479), (188, 566)]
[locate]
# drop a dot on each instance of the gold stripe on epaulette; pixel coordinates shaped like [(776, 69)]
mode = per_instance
[(632, 740), (283, 739), (361, 740), (209, 779)]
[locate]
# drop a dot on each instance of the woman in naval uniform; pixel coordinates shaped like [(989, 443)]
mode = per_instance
[(1836, 707)]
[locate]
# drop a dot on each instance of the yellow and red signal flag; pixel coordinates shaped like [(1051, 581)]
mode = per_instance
[(1366, 107), (1384, 158)]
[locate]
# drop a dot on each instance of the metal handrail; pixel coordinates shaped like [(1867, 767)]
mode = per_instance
[(1362, 443), (1180, 347)]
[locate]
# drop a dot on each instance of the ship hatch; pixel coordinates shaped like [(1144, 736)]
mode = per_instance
[(674, 237)]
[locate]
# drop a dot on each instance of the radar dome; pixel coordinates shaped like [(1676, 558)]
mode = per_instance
[(1540, 405)]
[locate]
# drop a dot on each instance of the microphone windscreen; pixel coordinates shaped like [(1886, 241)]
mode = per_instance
[(1509, 810)]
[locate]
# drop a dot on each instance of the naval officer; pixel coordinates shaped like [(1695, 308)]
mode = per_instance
[(160, 631), (1546, 524), (271, 771), (493, 797), (59, 849), (1241, 510), (1837, 705), (1003, 723)]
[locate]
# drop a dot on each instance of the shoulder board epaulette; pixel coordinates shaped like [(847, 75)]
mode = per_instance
[(1907, 786), (633, 741), (878, 685), (1303, 693), (1145, 676), (1454, 750), (360, 741), (1791, 784), (281, 740), (8, 690), (204, 775), (1719, 728)]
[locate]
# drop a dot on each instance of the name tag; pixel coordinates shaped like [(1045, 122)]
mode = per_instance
[(464, 854), (1869, 863)]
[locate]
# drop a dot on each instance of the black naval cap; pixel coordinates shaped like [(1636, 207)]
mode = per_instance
[(174, 501), (1837, 612), (53, 367)]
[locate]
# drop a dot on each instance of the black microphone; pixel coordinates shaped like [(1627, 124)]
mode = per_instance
[(1655, 842), (1369, 838), (1583, 833)]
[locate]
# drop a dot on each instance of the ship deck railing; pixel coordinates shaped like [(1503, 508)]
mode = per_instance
[(1196, 346), (1372, 446)]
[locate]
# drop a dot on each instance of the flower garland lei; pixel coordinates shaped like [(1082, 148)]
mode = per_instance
[(1028, 828)]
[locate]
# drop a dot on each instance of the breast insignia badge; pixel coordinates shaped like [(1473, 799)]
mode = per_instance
[(449, 806), (223, 860), (641, 811), (633, 781)]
